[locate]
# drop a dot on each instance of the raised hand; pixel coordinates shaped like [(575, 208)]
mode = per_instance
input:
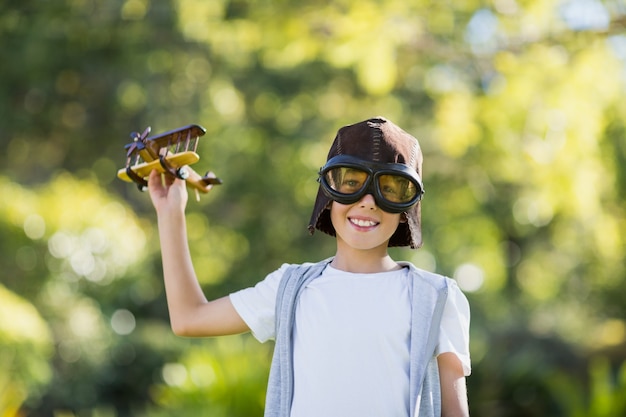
[(167, 193)]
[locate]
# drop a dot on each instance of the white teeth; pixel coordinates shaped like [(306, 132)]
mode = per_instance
[(363, 223)]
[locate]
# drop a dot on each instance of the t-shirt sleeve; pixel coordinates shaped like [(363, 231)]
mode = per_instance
[(257, 305), (454, 331)]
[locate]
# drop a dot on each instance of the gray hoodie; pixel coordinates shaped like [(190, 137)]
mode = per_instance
[(428, 297)]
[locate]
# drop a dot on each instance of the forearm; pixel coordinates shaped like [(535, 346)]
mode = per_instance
[(456, 405), (184, 294), (453, 388)]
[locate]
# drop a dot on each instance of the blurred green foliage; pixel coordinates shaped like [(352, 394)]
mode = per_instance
[(603, 395), (519, 109)]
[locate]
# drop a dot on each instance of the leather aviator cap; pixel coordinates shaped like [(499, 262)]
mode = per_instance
[(376, 140)]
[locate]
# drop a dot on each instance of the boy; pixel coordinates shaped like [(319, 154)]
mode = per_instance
[(358, 334)]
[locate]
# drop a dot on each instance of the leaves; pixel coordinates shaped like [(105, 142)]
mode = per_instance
[(517, 105)]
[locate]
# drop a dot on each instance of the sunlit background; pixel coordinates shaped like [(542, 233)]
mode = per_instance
[(519, 106)]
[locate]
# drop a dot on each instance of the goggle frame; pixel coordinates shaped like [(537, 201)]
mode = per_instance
[(372, 185)]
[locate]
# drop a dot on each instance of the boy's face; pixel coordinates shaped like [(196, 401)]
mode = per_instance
[(363, 225), (391, 161)]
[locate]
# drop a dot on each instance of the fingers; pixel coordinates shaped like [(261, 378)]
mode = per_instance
[(158, 180), (154, 183), (166, 191), (152, 178)]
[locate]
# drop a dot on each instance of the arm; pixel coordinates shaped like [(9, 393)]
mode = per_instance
[(453, 390), (190, 312)]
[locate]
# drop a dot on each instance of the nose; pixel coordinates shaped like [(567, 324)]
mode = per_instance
[(368, 201)]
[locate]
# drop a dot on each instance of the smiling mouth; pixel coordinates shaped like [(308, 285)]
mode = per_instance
[(363, 223)]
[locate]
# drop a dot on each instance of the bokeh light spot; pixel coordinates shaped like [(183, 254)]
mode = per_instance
[(123, 322)]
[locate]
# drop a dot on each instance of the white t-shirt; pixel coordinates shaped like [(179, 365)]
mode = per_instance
[(351, 339)]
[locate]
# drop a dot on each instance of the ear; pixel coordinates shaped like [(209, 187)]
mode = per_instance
[(403, 217)]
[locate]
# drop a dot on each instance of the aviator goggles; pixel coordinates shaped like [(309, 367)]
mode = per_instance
[(395, 187)]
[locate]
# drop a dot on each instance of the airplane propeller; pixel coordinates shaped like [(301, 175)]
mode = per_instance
[(138, 140)]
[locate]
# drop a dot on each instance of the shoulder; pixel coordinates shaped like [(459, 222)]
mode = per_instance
[(304, 268), (269, 284), (287, 267), (436, 280), (289, 272)]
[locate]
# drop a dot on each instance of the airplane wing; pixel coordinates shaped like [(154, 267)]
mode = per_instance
[(170, 152), (181, 138)]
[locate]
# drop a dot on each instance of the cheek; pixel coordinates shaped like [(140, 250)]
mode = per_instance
[(394, 220), (338, 213), (335, 210)]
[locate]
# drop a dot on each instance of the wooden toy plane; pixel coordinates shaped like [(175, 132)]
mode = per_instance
[(169, 153)]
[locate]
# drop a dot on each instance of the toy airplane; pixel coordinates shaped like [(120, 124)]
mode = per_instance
[(169, 153)]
